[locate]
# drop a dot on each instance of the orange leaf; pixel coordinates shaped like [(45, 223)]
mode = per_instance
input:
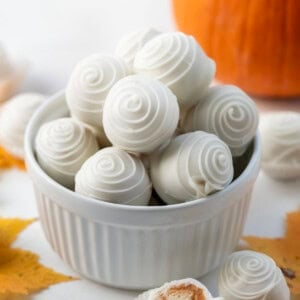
[(7, 160), (9, 230), (293, 222), (20, 271), (285, 251)]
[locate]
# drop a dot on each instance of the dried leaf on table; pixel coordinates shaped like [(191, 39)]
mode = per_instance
[(9, 230), (285, 251), (21, 273), (8, 161), (20, 270)]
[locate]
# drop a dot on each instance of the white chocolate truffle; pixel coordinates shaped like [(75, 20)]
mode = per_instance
[(113, 175), (140, 114), (249, 275), (132, 42), (227, 112), (62, 146), (192, 166), (280, 132), (89, 85), (184, 289), (14, 118), (179, 62)]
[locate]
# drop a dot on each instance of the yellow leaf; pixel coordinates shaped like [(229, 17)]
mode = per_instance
[(9, 230), (285, 251), (7, 160), (20, 271)]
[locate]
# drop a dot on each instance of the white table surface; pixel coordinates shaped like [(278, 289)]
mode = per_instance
[(53, 35)]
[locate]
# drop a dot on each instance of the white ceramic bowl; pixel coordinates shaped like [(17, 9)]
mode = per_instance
[(137, 247)]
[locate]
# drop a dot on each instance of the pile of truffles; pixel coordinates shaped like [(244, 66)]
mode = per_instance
[(150, 110)]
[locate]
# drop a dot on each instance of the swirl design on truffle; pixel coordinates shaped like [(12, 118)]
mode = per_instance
[(192, 166), (62, 146), (89, 85), (227, 112), (251, 275), (131, 43), (14, 118), (140, 114), (178, 61), (115, 176), (280, 133)]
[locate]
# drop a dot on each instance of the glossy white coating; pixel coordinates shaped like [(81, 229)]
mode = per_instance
[(89, 84), (140, 114), (250, 275), (114, 176), (62, 146), (192, 166), (180, 63), (228, 112)]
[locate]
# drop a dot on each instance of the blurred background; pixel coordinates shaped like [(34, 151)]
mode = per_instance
[(54, 35)]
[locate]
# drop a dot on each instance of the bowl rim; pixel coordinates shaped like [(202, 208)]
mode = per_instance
[(32, 164)]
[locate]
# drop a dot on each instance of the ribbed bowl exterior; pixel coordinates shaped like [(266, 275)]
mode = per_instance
[(133, 257), (139, 248)]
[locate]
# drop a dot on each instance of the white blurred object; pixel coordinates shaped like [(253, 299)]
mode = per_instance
[(280, 132), (14, 117), (5, 65), (11, 75)]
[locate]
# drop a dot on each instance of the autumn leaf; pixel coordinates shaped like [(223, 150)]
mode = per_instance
[(20, 270), (9, 230), (4, 163), (8, 161), (285, 251), (21, 273)]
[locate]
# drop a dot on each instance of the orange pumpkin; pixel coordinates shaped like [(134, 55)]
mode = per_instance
[(255, 43)]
